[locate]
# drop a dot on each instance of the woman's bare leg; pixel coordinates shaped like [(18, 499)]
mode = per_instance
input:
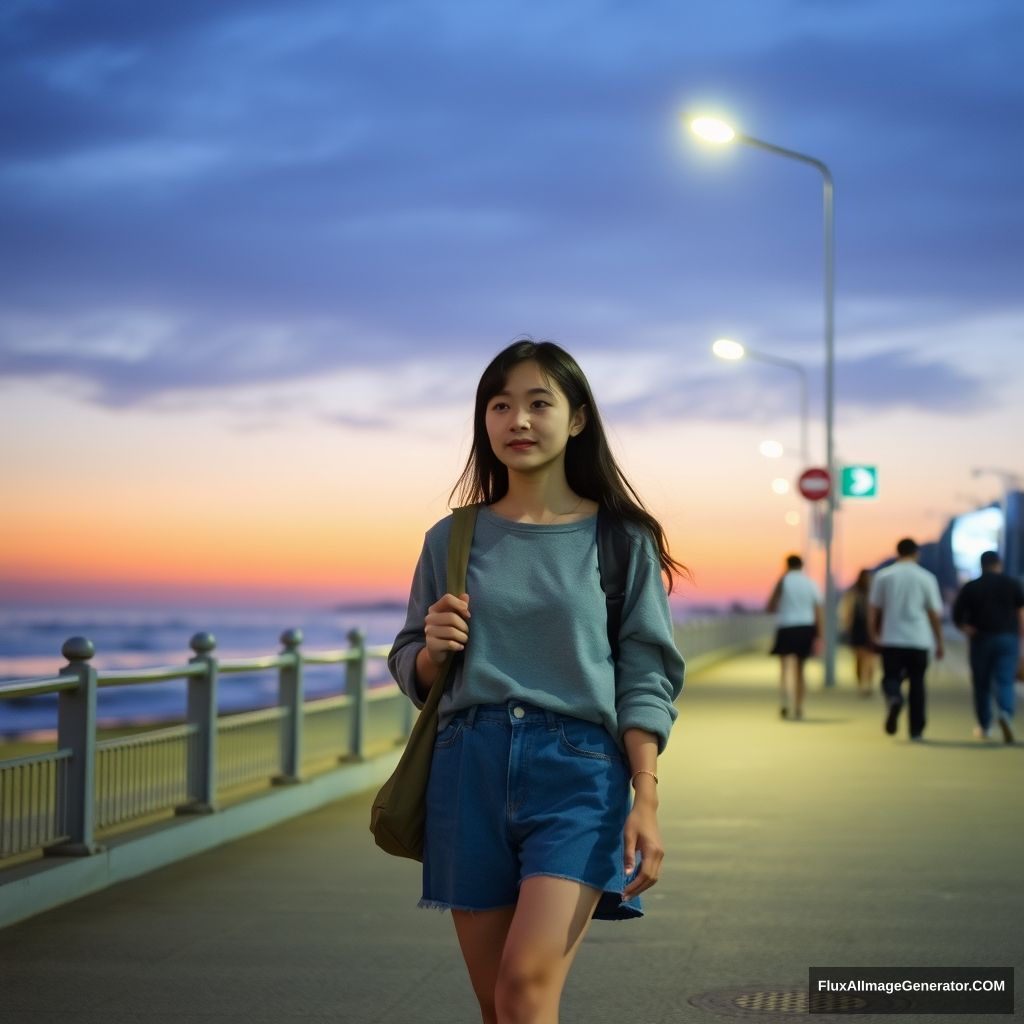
[(482, 937), (551, 918), (784, 686), (798, 687)]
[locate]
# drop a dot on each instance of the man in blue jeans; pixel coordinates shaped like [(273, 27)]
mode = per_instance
[(990, 612)]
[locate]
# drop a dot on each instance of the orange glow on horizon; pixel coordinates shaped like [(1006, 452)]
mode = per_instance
[(117, 505)]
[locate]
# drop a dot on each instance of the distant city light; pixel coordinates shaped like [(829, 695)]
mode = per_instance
[(771, 449), (792, 518), (780, 486)]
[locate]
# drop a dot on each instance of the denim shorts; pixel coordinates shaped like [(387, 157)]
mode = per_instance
[(517, 791)]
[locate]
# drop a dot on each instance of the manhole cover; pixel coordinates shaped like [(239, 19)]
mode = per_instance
[(768, 1000), (782, 1001)]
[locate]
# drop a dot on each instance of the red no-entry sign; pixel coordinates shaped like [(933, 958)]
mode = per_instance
[(815, 484)]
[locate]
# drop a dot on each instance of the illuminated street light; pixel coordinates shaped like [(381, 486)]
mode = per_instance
[(734, 351), (717, 131), (780, 485), (726, 348), (710, 129)]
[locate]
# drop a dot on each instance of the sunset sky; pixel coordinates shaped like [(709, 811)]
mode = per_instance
[(256, 255)]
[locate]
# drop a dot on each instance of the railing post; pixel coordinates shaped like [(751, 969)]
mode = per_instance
[(291, 697), (355, 687), (202, 713), (76, 731)]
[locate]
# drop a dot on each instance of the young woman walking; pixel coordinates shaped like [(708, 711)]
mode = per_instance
[(530, 830)]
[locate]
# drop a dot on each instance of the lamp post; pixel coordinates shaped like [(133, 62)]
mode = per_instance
[(714, 130), (734, 352)]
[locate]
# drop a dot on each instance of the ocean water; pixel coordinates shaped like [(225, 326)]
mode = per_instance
[(145, 637)]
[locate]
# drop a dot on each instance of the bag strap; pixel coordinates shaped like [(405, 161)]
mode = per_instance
[(612, 563), (459, 542)]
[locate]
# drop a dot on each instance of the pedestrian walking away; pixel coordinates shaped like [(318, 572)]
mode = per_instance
[(542, 800), (857, 633), (989, 611), (905, 623), (797, 600)]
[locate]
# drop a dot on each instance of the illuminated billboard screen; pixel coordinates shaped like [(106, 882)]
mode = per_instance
[(973, 533)]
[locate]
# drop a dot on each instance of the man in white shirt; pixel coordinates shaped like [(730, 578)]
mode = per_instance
[(797, 600), (905, 619)]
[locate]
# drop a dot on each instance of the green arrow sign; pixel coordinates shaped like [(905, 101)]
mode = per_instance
[(859, 482)]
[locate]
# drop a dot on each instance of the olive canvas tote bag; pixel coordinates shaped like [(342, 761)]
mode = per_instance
[(399, 809)]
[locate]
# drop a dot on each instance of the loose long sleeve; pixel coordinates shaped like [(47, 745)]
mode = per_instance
[(428, 585), (650, 670)]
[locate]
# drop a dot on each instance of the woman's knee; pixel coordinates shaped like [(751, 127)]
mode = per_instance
[(524, 988)]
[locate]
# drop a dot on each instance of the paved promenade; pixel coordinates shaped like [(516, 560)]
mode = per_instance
[(822, 842)]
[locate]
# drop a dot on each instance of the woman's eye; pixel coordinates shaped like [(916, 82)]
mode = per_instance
[(499, 406), (540, 404)]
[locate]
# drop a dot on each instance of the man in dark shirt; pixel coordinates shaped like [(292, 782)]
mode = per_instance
[(989, 611)]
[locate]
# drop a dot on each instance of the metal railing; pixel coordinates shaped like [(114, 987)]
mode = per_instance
[(58, 801), (720, 636)]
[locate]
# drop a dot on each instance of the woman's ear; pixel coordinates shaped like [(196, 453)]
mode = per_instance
[(578, 421)]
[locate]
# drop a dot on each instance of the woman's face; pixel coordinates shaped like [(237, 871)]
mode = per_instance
[(529, 421)]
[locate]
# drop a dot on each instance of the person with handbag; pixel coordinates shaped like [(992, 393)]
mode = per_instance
[(531, 831)]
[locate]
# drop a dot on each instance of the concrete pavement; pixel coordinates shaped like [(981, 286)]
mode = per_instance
[(822, 842)]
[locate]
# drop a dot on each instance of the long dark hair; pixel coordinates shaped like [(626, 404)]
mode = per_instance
[(590, 468)]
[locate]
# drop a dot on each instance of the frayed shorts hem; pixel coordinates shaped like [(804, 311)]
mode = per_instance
[(609, 905), (442, 906), (564, 878)]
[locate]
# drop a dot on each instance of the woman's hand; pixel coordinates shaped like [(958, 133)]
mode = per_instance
[(643, 835), (445, 627)]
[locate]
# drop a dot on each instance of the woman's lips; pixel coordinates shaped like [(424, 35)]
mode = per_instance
[(521, 446)]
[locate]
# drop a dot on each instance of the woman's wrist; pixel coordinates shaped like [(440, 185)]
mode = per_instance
[(427, 671), (645, 786)]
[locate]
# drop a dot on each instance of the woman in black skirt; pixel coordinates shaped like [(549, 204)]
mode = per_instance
[(797, 600)]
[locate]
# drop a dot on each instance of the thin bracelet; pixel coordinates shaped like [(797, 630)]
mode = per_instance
[(643, 771)]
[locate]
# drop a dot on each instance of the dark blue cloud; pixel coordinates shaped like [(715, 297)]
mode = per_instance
[(422, 174), (897, 379)]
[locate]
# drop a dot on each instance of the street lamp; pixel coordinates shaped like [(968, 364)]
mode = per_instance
[(734, 351), (713, 130)]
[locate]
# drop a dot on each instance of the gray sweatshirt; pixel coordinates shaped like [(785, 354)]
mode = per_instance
[(538, 628)]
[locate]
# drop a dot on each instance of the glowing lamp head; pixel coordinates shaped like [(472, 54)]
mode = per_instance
[(771, 449), (710, 129), (726, 348)]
